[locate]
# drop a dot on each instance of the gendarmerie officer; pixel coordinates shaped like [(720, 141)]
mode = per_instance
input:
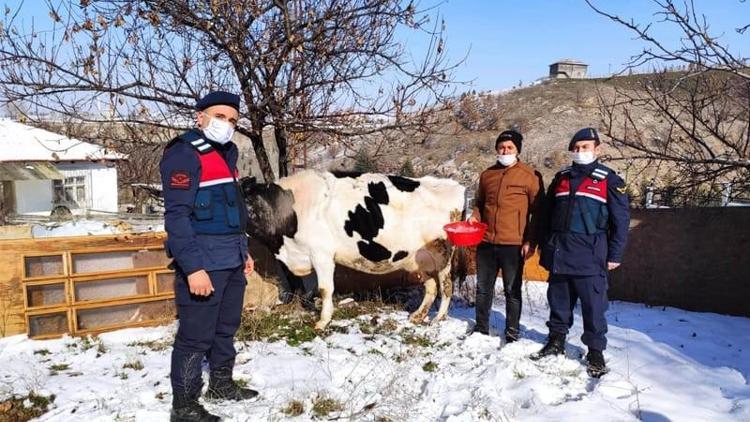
[(586, 224), (205, 221)]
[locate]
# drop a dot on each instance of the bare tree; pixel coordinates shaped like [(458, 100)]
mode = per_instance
[(691, 119), (301, 66)]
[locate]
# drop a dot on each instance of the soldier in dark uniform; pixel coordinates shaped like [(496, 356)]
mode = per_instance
[(205, 221), (586, 226)]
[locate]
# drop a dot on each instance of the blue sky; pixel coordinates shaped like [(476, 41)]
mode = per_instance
[(508, 41)]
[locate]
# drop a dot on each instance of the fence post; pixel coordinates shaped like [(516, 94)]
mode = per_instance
[(726, 194), (649, 196)]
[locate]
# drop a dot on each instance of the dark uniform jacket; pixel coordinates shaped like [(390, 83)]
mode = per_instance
[(585, 220), (205, 215)]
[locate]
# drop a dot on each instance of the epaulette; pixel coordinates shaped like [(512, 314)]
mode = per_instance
[(195, 139), (600, 173)]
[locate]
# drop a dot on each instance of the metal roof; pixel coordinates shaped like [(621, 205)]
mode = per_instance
[(28, 171)]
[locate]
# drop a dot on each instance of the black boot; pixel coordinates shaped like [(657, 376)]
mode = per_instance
[(555, 346), (511, 335), (187, 409), (221, 386), (477, 328), (595, 365)]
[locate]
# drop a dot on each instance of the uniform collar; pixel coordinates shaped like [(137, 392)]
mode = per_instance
[(583, 169)]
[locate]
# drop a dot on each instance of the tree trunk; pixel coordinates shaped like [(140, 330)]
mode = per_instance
[(282, 143), (256, 138)]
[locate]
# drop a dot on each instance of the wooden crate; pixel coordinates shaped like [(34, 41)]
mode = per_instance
[(83, 285)]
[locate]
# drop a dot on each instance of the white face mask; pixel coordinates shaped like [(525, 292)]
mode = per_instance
[(219, 131), (583, 158), (507, 160)]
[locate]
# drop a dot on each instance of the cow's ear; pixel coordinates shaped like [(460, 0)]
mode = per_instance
[(246, 183)]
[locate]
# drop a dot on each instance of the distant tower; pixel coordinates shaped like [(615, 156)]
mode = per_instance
[(568, 69)]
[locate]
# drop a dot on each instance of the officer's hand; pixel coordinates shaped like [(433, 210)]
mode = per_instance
[(200, 283), (526, 251), (612, 265), (249, 265), (473, 219)]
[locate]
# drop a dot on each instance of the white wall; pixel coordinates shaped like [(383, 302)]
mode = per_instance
[(104, 188), (101, 183), (33, 196)]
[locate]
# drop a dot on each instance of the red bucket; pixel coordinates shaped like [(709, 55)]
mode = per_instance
[(465, 233)]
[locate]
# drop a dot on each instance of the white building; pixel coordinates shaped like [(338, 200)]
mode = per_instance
[(42, 171)]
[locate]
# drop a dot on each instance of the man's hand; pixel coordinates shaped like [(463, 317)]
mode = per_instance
[(249, 265), (200, 283), (527, 251), (473, 219), (612, 265)]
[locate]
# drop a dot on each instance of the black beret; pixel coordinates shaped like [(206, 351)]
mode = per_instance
[(218, 98), (510, 135), (585, 134)]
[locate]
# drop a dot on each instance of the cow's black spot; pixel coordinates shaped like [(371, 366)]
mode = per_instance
[(404, 184), (344, 174), (378, 192), (271, 213), (367, 222), (400, 255), (373, 251)]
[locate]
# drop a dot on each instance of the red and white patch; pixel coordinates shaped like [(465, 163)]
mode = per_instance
[(179, 179), (214, 170), (590, 188), (563, 188)]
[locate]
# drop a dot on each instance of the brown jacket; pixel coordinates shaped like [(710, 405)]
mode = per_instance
[(509, 200)]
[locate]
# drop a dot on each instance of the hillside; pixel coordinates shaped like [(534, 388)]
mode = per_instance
[(547, 114)]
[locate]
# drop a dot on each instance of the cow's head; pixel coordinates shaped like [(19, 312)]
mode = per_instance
[(271, 212)]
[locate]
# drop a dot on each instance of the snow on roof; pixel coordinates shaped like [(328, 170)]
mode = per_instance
[(20, 142)]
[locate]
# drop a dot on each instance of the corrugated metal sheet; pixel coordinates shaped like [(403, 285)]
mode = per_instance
[(29, 171)]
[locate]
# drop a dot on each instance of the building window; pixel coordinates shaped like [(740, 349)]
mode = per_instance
[(71, 190)]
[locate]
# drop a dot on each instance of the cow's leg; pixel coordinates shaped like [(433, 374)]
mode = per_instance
[(446, 292), (430, 292), (324, 270)]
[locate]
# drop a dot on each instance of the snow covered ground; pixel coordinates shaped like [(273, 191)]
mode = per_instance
[(666, 365), (92, 227)]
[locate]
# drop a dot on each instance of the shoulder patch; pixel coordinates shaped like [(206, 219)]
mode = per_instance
[(622, 189), (599, 174), (179, 179)]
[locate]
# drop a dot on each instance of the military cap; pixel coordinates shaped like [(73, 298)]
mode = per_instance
[(585, 134), (218, 98)]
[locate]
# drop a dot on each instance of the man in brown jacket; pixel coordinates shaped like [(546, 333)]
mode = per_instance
[(508, 201)]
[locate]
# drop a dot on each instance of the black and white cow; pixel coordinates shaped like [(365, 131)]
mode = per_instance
[(373, 223)]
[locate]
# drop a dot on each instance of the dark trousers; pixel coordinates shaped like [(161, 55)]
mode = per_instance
[(564, 291), (206, 328), (490, 259)]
